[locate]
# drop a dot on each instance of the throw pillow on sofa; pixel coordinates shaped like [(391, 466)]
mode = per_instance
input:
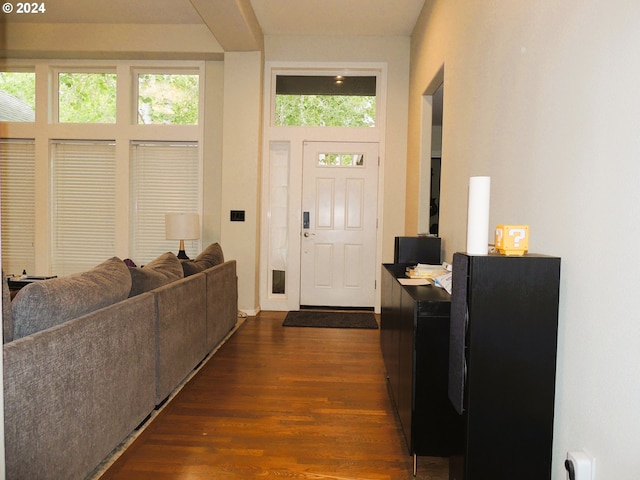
[(164, 269), (210, 257), (46, 303)]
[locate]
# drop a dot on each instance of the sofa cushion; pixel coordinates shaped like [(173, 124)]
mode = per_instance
[(210, 257), (46, 303), (164, 269)]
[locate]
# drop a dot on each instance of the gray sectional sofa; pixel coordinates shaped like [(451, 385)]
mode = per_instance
[(88, 357)]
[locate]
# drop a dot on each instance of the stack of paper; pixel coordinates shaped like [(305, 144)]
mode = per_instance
[(426, 271), (415, 281), (444, 281)]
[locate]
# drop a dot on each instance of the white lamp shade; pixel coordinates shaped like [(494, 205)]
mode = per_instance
[(182, 226)]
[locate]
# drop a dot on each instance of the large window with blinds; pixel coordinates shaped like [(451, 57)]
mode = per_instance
[(85, 179), (83, 201), (164, 180), (17, 177)]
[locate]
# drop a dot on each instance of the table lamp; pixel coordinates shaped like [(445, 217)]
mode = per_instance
[(182, 226)]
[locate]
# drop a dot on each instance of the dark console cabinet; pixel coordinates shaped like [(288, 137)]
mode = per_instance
[(414, 339), (504, 326)]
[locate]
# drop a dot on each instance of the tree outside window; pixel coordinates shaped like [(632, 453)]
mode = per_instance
[(168, 99), (86, 97), (17, 96)]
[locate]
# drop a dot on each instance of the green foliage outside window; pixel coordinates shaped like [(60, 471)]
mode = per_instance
[(17, 96), (168, 99), (171, 99), (325, 111), (87, 97), (21, 85)]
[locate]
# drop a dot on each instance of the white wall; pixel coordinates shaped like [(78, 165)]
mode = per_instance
[(544, 97), (241, 151), (212, 153)]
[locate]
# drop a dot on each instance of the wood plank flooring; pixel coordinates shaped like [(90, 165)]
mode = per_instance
[(280, 402)]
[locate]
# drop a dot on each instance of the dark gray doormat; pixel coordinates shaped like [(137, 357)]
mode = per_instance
[(330, 319)]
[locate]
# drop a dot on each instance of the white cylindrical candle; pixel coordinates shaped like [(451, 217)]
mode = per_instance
[(478, 216)]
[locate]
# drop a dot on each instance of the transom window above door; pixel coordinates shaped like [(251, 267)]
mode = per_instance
[(325, 101)]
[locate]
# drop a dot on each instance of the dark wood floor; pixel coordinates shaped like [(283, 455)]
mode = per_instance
[(280, 402)]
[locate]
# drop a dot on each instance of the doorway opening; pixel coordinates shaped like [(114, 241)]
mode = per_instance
[(431, 157), (436, 160)]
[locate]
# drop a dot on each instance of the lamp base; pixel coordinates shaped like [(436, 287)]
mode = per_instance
[(181, 253)]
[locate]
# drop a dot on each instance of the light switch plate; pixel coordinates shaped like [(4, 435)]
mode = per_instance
[(237, 216)]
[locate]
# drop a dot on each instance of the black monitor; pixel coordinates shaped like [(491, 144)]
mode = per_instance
[(415, 250)]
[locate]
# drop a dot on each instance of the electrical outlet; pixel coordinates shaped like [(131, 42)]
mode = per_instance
[(579, 465)]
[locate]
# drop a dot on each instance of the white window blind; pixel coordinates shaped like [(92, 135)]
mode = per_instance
[(83, 204), (17, 170), (165, 178)]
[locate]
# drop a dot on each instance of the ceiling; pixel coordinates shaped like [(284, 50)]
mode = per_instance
[(337, 17), (282, 17)]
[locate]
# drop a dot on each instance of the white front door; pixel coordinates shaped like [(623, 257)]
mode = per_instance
[(338, 241)]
